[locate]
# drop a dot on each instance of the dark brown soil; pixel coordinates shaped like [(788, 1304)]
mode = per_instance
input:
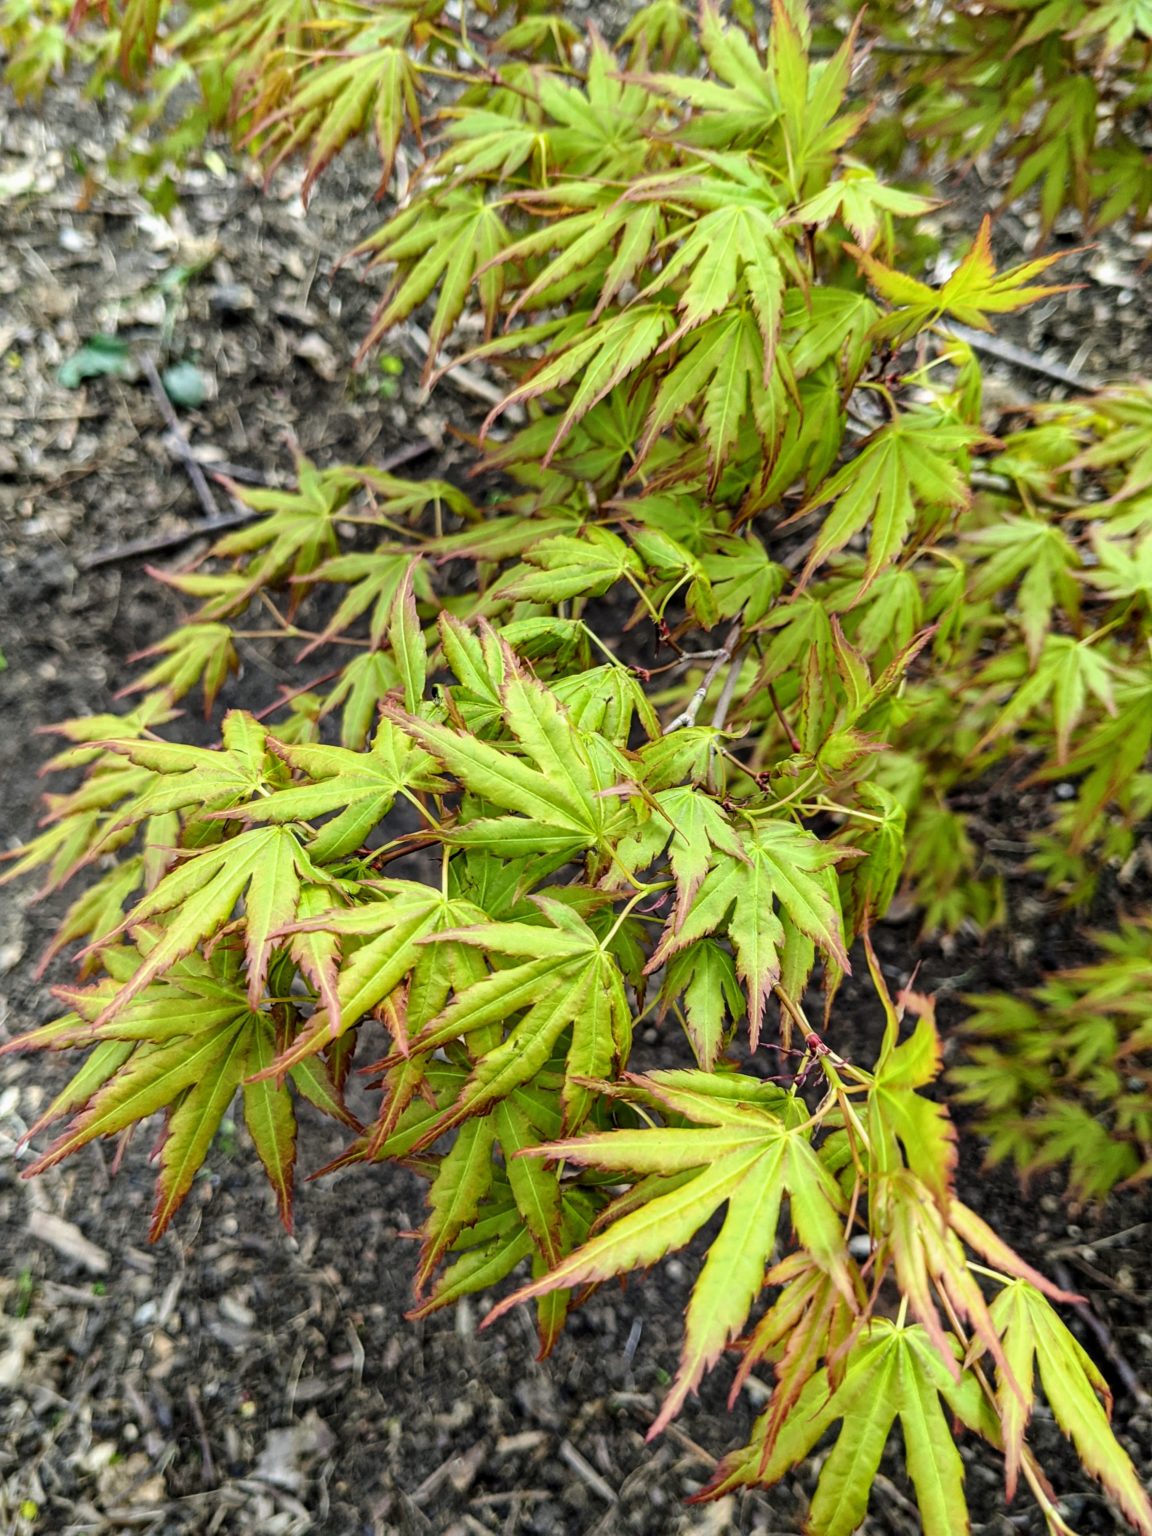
[(235, 1379)]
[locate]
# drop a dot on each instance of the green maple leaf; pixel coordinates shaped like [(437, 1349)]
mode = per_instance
[(912, 471), (490, 1247), (360, 787), (1061, 154), (898, 1114), (447, 240), (702, 980), (372, 581), (860, 200), (732, 250), (463, 1180), (746, 1147), (973, 292), (1067, 672), (1124, 568), (372, 82), (585, 221), (719, 376), (265, 866), (193, 654), (1037, 557), (601, 353), (1034, 1337), (391, 929), (566, 979), (364, 681), (560, 800), (296, 536), (780, 865), (602, 130), (693, 828), (744, 580), (169, 776), (570, 565), (185, 1043), (738, 106), (890, 1373)]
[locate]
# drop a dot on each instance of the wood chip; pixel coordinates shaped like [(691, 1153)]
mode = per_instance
[(67, 1239), (586, 1471)]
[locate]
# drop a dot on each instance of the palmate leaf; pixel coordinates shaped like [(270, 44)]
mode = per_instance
[(1034, 1337), (372, 582), (602, 130), (562, 802), (566, 979), (194, 654), (909, 476), (719, 375), (904, 1121), (702, 978), (601, 353), (335, 96), (490, 1247), (448, 238), (585, 220), (392, 928), (186, 1045), (266, 867), (297, 534), (1067, 673), (169, 776), (740, 105), (731, 250), (890, 1373), (573, 565), (1036, 557), (750, 1147), (861, 202), (360, 787), (780, 865), (973, 292)]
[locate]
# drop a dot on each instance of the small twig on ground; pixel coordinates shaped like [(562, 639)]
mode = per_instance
[(163, 541), (686, 1443), (160, 542), (1103, 1336), (239, 472), (464, 378), (1022, 357), (696, 702), (1097, 1243), (207, 1464), (179, 441), (585, 1470)]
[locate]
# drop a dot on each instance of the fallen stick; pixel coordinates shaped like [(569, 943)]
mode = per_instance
[(1022, 357), (157, 543), (179, 441)]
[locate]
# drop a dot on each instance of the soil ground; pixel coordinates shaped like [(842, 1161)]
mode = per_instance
[(236, 1379)]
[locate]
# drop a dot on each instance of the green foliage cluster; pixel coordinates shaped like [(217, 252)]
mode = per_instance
[(1065, 1074), (1057, 90), (652, 730)]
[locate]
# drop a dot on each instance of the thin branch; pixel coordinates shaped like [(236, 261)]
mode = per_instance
[(724, 702), (696, 702)]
